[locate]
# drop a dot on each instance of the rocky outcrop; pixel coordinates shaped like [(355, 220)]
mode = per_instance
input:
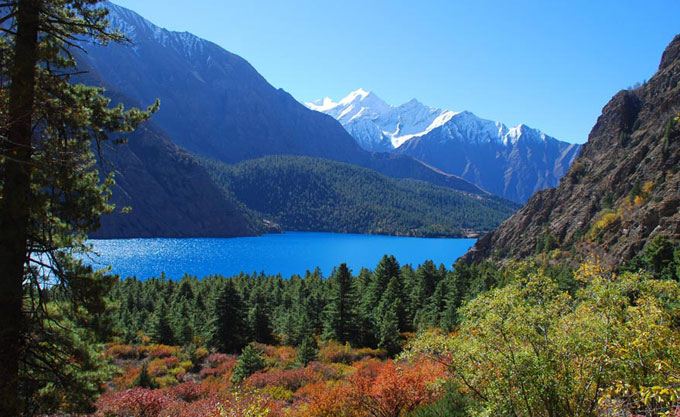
[(623, 189)]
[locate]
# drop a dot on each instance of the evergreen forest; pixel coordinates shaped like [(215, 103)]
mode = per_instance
[(312, 194)]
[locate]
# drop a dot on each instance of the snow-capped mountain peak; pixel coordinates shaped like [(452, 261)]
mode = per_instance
[(513, 162), (378, 126)]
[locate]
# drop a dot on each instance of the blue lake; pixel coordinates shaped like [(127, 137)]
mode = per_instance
[(289, 253)]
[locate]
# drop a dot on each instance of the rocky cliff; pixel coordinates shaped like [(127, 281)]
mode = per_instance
[(623, 189)]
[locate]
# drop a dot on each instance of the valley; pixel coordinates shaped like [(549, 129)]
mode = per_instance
[(180, 236)]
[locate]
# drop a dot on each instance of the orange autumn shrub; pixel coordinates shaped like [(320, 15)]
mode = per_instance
[(122, 352), (162, 351), (157, 367), (326, 400), (280, 356), (127, 377), (396, 389), (334, 352)]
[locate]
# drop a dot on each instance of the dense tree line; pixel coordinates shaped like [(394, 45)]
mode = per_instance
[(303, 194), (369, 309)]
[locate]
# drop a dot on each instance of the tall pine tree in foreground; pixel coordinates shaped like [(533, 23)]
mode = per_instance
[(50, 197), (227, 328), (340, 315)]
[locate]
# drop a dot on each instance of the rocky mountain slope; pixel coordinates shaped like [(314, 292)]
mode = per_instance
[(623, 189), (216, 105), (512, 162)]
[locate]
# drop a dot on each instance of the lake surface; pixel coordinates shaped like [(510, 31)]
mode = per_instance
[(289, 253)]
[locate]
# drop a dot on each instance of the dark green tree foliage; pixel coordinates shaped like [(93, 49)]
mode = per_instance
[(660, 257), (258, 317), (340, 315), (248, 363), (388, 327), (160, 330), (144, 380), (308, 351), (303, 193), (227, 326), (372, 309), (51, 197)]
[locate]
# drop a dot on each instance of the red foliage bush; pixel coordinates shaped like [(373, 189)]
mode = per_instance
[(208, 372), (291, 379), (217, 358), (188, 391), (136, 402), (207, 407), (324, 370), (172, 362)]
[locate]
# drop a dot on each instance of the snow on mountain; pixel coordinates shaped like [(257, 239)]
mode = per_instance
[(513, 162), (377, 126)]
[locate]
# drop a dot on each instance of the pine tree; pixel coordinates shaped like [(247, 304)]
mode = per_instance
[(227, 329), (160, 330), (248, 363), (388, 331), (51, 188), (144, 380), (308, 351), (340, 318), (387, 268), (258, 317)]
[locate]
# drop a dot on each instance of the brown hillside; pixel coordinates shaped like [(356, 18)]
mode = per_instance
[(623, 189)]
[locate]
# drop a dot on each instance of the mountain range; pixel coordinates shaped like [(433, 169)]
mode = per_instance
[(214, 105), (512, 162), (620, 193)]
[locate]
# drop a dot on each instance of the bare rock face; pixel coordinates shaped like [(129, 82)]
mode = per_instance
[(623, 189)]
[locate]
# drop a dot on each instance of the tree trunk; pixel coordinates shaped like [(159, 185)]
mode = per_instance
[(16, 148)]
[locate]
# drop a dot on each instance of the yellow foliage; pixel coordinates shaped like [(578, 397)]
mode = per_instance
[(611, 348), (278, 393), (245, 406), (166, 381), (604, 222)]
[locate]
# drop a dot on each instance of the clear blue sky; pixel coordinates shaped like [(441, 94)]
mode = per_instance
[(549, 64)]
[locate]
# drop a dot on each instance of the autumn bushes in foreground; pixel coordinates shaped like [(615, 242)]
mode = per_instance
[(331, 386)]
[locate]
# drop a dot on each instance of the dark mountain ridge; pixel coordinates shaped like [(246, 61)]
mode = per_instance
[(623, 189), (216, 105)]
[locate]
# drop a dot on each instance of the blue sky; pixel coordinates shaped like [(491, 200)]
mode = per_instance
[(552, 65)]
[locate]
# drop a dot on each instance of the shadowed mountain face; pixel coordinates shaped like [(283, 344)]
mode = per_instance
[(512, 162), (170, 193), (216, 105), (622, 190)]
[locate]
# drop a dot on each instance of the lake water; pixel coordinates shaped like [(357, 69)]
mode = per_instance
[(289, 253)]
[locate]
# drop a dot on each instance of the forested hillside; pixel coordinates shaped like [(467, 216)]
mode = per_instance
[(311, 194)]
